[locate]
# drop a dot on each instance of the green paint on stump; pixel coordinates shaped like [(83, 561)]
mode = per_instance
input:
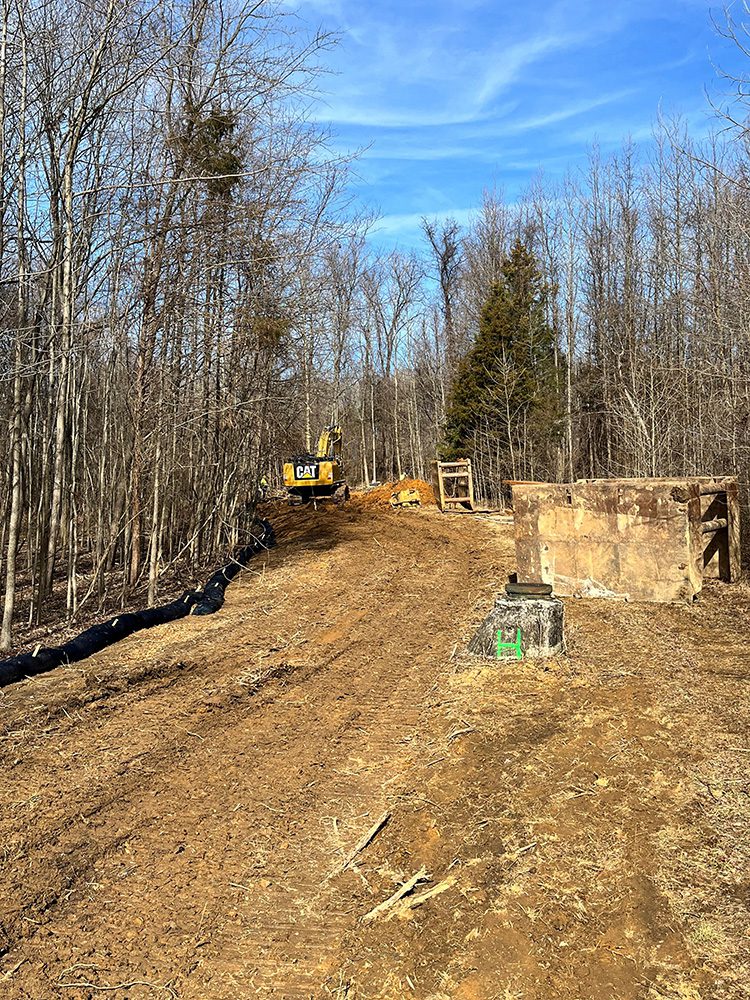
[(515, 646)]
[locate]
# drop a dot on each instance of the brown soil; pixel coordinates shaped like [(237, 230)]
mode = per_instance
[(380, 496), (175, 812)]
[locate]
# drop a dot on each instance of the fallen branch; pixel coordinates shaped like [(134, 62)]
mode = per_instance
[(362, 843), (460, 732), (402, 910), (10, 972), (515, 855), (402, 890)]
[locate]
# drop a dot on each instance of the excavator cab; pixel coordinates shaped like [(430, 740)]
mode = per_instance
[(320, 475)]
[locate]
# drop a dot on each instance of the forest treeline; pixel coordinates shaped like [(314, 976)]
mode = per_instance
[(188, 294)]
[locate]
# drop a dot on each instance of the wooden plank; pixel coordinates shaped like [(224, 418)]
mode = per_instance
[(716, 525)]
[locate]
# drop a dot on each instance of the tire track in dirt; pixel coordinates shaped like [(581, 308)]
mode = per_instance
[(292, 926), (241, 796), (118, 705)]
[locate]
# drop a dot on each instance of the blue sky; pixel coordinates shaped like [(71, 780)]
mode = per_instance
[(451, 98)]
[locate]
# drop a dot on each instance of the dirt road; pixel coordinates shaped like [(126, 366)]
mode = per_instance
[(175, 812)]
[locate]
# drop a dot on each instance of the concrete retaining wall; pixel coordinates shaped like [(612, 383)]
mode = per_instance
[(644, 539)]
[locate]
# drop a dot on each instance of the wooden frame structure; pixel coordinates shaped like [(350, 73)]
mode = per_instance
[(454, 485)]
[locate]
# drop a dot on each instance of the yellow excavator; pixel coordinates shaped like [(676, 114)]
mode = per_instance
[(319, 476)]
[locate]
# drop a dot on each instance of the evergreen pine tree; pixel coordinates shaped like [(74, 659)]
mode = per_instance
[(508, 376)]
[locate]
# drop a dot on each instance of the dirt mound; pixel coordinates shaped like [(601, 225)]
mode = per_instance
[(380, 496)]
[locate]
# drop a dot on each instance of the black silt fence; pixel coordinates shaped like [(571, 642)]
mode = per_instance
[(98, 637)]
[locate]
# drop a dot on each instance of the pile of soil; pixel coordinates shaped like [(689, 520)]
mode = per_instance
[(380, 496)]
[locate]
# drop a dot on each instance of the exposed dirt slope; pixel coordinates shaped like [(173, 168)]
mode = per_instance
[(175, 811), (380, 496)]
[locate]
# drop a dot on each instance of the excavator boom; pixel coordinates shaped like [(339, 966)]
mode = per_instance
[(329, 443)]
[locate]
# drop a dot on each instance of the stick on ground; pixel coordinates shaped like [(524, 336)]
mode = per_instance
[(402, 890), (363, 841), (413, 902)]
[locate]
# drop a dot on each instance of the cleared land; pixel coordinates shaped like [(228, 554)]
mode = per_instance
[(175, 812)]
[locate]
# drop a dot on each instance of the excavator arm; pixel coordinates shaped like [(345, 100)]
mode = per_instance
[(329, 443)]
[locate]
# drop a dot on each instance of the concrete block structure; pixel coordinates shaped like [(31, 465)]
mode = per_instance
[(640, 539)]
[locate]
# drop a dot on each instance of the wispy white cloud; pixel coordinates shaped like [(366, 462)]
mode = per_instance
[(439, 73), (480, 141), (511, 61), (343, 113), (565, 113)]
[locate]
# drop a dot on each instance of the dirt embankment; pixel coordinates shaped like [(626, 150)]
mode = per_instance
[(175, 812), (380, 496)]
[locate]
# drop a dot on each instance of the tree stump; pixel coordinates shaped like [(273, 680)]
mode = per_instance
[(520, 627)]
